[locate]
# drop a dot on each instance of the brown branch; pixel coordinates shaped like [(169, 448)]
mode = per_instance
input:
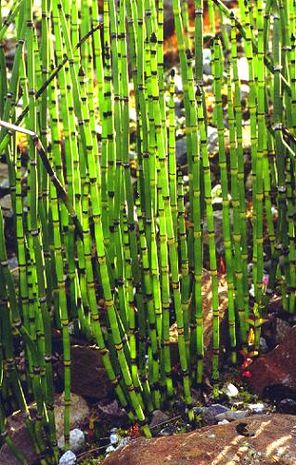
[(61, 191)]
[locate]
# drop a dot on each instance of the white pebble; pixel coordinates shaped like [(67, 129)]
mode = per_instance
[(231, 390), (109, 450), (223, 422), (257, 408), (114, 438), (68, 458), (77, 440)]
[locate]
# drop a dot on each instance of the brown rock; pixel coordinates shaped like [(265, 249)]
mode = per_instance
[(207, 321), (19, 434), (272, 441), (88, 375), (274, 374), (78, 413)]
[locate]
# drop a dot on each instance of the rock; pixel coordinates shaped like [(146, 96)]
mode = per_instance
[(4, 178), (181, 145), (287, 406), (274, 374), (68, 458), (212, 139), (112, 413), (78, 413), (5, 203), (4, 187), (13, 263), (207, 61), (272, 440), (219, 237), (207, 70), (111, 409), (123, 441), (211, 413), (114, 439), (181, 151), (263, 345), (257, 408), (282, 330), (158, 417), (178, 83), (245, 91), (207, 322), (77, 440), (243, 69), (110, 449), (168, 430), (19, 434), (231, 390), (88, 375), (223, 422), (232, 415)]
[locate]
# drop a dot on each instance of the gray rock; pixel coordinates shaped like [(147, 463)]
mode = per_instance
[(282, 329), (4, 187), (223, 422), (219, 238), (68, 458), (158, 417), (207, 70), (181, 151), (207, 61), (114, 439), (288, 406), (211, 413), (168, 430), (263, 345), (232, 415), (212, 139), (110, 449), (6, 205), (4, 176), (77, 440), (12, 262)]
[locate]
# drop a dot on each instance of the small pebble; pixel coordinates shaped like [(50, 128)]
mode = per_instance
[(257, 408), (263, 344), (243, 69), (68, 458), (77, 440), (110, 449), (252, 291), (231, 390), (168, 431), (114, 438), (223, 422)]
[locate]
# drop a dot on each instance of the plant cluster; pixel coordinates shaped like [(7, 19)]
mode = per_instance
[(119, 258)]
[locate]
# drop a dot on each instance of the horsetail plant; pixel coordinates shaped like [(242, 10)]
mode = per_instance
[(112, 235)]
